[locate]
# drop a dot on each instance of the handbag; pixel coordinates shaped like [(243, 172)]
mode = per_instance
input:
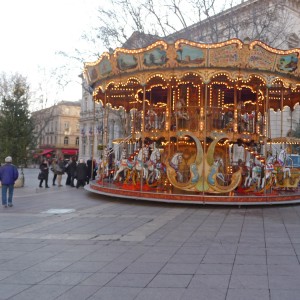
[(41, 176)]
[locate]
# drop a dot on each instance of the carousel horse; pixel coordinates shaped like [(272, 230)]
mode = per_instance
[(180, 111), (140, 162), (153, 171), (103, 169), (282, 157), (215, 168), (125, 164), (269, 168), (150, 120), (253, 176), (175, 162)]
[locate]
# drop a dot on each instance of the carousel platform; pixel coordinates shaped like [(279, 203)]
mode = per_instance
[(146, 193)]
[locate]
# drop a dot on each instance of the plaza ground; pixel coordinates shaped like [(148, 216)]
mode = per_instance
[(67, 243)]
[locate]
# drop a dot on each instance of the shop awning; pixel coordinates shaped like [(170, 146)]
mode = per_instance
[(69, 151), (46, 151)]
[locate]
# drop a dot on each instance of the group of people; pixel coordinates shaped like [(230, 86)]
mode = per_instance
[(81, 171)]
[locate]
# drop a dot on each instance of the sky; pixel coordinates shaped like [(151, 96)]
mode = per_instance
[(32, 31)]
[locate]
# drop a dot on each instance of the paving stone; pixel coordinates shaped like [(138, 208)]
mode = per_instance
[(45, 292), (248, 294), (160, 293), (116, 293), (131, 280), (170, 281), (79, 292), (204, 294)]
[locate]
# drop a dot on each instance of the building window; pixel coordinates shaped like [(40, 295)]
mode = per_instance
[(77, 141), (66, 125), (66, 140)]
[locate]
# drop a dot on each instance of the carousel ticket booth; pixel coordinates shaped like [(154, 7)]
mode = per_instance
[(198, 122)]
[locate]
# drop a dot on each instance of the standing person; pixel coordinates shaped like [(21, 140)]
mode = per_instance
[(92, 169), (53, 169), (72, 171), (8, 175), (44, 172), (60, 170), (82, 173)]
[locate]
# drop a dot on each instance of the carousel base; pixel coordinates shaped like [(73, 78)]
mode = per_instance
[(285, 196)]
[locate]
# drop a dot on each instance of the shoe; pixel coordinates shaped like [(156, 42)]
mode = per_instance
[(53, 184), (10, 205), (40, 186), (46, 187), (60, 185), (4, 205)]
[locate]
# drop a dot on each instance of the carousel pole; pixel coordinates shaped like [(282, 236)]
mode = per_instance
[(281, 111), (267, 130), (235, 112), (103, 136), (168, 116), (143, 132), (93, 138), (205, 130)]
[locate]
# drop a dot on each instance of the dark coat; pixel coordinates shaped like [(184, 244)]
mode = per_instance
[(81, 171), (8, 174), (44, 169), (71, 168)]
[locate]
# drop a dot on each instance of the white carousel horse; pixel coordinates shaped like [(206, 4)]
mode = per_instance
[(269, 168), (150, 120), (140, 162), (124, 165), (215, 168), (152, 169), (282, 157), (103, 170), (220, 165), (254, 176), (180, 112), (175, 162)]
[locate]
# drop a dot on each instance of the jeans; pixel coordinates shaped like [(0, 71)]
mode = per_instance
[(10, 189)]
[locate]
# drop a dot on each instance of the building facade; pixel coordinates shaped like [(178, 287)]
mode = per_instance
[(99, 127), (57, 130)]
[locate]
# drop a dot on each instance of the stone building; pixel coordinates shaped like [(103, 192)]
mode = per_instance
[(57, 130), (95, 134)]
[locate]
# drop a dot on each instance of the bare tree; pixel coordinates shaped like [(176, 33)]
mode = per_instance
[(200, 20)]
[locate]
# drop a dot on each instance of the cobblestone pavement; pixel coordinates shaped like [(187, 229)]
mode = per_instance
[(66, 243)]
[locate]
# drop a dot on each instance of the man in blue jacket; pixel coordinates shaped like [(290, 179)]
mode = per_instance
[(8, 175)]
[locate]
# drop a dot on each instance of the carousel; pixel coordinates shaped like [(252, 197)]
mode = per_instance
[(197, 124)]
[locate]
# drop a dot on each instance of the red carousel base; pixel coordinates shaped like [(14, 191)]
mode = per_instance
[(138, 192)]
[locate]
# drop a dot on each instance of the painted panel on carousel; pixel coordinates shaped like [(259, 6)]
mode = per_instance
[(105, 67), (261, 59), (92, 73), (155, 57), (190, 55), (287, 63), (126, 61), (226, 56)]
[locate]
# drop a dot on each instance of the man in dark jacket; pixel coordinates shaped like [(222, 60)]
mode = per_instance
[(81, 172), (8, 176)]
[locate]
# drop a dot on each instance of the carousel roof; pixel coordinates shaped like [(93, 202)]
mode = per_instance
[(256, 65)]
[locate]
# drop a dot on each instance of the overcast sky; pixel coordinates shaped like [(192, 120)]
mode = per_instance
[(32, 31)]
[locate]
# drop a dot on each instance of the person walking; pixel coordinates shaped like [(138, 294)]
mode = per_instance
[(53, 169), (8, 176), (44, 173), (60, 170), (81, 173)]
